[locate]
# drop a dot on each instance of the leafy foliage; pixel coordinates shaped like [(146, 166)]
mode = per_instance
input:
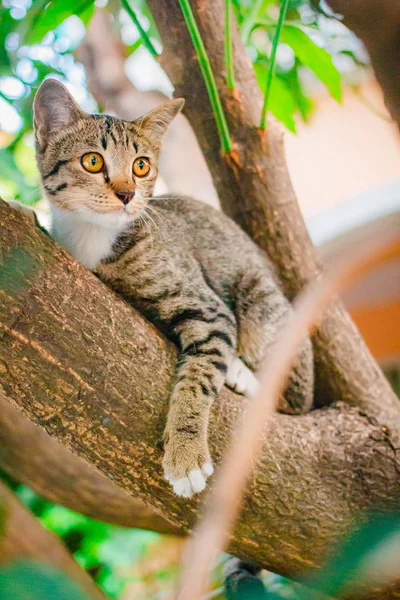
[(314, 57), (38, 37), (44, 16)]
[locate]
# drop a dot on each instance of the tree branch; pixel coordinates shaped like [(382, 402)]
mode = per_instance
[(36, 459), (24, 537), (254, 188), (377, 24), (81, 363)]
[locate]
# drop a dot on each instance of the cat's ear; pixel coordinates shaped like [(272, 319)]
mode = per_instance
[(156, 122), (53, 108)]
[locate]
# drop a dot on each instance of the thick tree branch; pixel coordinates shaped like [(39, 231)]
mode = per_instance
[(33, 457), (96, 375), (23, 537), (254, 187)]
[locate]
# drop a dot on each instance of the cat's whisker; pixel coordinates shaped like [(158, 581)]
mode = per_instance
[(148, 227), (160, 198), (157, 229), (154, 211)]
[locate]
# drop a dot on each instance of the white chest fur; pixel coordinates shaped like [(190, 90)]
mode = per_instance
[(88, 242)]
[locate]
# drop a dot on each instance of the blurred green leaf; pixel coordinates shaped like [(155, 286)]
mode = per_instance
[(304, 103), (7, 24), (314, 57), (33, 581), (281, 102), (50, 15)]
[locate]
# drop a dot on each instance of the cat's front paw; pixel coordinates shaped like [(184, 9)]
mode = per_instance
[(25, 210), (240, 379), (187, 463)]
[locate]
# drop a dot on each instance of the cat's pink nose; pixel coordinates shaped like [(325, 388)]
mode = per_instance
[(125, 196)]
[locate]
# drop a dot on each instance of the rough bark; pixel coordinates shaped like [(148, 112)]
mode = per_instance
[(23, 537), (377, 24), (95, 374), (105, 70), (254, 188), (33, 457)]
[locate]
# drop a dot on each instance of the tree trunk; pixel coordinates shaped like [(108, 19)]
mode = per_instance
[(95, 374), (254, 188)]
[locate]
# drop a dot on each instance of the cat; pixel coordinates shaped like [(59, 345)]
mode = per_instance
[(186, 266)]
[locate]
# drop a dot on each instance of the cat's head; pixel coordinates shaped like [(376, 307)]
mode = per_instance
[(101, 168)]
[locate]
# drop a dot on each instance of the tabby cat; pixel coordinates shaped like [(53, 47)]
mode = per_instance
[(187, 267)]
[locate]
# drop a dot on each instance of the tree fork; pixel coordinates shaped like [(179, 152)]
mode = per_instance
[(84, 365)]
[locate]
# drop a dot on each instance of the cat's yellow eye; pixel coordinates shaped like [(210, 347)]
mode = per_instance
[(141, 166), (92, 162)]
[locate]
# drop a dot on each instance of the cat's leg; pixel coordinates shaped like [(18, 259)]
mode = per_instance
[(261, 310), (206, 334)]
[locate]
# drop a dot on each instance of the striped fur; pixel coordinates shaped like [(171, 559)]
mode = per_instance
[(187, 267)]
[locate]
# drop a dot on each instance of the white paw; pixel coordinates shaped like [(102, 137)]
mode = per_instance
[(241, 379), (194, 483)]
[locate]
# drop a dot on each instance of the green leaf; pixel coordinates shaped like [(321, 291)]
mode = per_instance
[(7, 25), (314, 57), (303, 102), (281, 101), (51, 14), (32, 581)]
